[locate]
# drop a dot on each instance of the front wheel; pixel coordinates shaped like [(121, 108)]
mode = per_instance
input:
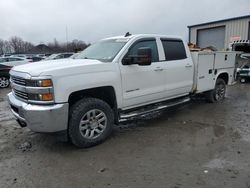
[(218, 93), (90, 122), (4, 82)]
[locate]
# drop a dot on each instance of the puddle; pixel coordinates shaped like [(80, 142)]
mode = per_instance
[(218, 163), (244, 133), (219, 130)]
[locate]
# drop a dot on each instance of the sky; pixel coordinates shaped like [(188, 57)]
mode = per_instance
[(41, 21)]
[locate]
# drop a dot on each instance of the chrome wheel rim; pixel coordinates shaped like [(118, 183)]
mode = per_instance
[(220, 92), (93, 123), (4, 82)]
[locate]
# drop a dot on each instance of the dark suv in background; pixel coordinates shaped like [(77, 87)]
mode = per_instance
[(244, 73)]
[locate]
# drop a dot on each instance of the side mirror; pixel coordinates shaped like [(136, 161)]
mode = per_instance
[(144, 56)]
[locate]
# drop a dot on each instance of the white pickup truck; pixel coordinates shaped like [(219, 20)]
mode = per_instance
[(114, 80)]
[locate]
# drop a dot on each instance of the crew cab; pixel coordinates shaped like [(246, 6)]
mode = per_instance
[(114, 80)]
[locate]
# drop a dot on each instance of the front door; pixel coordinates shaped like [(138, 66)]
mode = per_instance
[(143, 84)]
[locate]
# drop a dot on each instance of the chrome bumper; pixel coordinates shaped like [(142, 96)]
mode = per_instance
[(40, 118)]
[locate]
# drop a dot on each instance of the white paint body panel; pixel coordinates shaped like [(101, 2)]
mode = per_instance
[(210, 65), (134, 85)]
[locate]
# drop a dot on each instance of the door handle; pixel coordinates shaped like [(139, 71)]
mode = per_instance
[(158, 69), (188, 65)]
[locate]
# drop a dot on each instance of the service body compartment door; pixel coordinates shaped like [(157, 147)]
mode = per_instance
[(205, 72), (225, 60)]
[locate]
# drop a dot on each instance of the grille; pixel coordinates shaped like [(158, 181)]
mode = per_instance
[(21, 94), (18, 80)]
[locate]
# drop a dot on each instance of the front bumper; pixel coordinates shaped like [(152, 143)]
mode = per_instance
[(40, 118)]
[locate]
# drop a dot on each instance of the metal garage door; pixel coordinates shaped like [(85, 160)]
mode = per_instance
[(211, 37), (249, 31)]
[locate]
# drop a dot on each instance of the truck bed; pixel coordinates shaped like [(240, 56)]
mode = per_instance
[(208, 65)]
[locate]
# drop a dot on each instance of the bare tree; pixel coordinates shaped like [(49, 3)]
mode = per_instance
[(2, 50), (19, 46), (16, 44), (4, 47), (7, 47), (27, 46)]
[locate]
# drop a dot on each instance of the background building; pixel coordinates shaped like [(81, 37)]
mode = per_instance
[(220, 33)]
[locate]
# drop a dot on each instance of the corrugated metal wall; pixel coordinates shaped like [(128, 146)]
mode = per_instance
[(234, 28)]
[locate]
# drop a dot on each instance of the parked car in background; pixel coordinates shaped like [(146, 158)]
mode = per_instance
[(244, 73), (6, 63), (35, 58), (5, 55), (74, 55), (60, 56)]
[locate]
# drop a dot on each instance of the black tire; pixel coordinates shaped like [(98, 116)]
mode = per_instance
[(4, 82), (218, 93), (79, 111)]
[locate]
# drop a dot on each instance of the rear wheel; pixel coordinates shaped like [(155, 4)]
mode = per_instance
[(91, 122), (4, 82), (218, 93)]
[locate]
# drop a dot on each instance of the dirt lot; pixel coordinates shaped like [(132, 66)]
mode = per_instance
[(196, 145)]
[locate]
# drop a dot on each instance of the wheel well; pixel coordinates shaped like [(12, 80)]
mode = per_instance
[(224, 76), (106, 94), (5, 75)]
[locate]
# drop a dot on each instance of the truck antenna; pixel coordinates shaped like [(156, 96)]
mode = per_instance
[(127, 34)]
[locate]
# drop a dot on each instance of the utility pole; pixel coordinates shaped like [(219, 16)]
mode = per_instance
[(67, 41)]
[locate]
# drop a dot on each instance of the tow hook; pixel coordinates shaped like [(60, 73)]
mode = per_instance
[(21, 123)]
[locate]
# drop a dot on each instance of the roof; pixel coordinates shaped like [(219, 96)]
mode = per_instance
[(144, 35), (40, 49), (224, 20)]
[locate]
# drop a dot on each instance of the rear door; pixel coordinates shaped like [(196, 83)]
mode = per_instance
[(179, 68), (143, 84)]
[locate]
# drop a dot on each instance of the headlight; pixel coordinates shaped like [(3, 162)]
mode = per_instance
[(40, 91), (39, 83)]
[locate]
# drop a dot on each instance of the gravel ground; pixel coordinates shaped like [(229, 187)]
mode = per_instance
[(195, 145)]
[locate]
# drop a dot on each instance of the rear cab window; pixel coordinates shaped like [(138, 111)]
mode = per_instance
[(174, 49)]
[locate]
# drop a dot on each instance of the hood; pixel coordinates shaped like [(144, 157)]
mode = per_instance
[(62, 66)]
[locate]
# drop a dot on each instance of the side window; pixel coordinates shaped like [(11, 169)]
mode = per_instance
[(2, 60), (174, 49), (247, 66), (146, 43), (67, 55), (59, 56), (13, 59)]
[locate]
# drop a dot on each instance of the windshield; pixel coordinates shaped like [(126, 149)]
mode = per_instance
[(105, 50), (52, 56)]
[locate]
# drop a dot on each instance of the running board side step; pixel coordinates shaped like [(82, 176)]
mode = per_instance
[(152, 108)]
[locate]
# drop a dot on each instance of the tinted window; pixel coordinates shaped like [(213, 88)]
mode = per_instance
[(3, 60), (174, 49), (148, 43), (14, 59), (59, 56), (67, 55), (247, 66)]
